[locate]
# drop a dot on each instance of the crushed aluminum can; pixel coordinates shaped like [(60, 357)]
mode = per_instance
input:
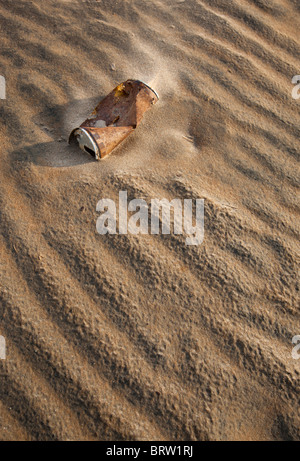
[(115, 117)]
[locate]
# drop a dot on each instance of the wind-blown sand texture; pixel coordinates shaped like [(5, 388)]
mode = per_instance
[(142, 337)]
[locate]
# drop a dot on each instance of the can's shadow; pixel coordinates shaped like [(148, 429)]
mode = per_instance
[(57, 122), (52, 154)]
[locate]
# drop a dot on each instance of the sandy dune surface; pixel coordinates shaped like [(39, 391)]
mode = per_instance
[(138, 337)]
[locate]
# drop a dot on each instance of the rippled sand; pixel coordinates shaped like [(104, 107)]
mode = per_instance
[(142, 337)]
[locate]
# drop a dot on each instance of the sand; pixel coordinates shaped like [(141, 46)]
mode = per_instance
[(141, 337)]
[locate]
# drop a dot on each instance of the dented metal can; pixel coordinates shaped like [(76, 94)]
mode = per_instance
[(115, 117)]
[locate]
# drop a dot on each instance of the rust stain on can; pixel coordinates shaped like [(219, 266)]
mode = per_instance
[(115, 117)]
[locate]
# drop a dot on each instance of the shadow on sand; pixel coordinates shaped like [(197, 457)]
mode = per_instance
[(53, 154), (58, 122)]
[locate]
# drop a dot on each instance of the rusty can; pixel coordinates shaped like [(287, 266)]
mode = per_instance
[(115, 117)]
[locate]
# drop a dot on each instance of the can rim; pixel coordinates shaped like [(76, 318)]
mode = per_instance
[(90, 138), (148, 86)]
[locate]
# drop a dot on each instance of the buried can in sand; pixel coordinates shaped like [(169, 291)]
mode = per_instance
[(115, 117)]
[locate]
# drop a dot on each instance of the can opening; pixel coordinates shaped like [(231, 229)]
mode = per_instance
[(89, 151), (86, 142)]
